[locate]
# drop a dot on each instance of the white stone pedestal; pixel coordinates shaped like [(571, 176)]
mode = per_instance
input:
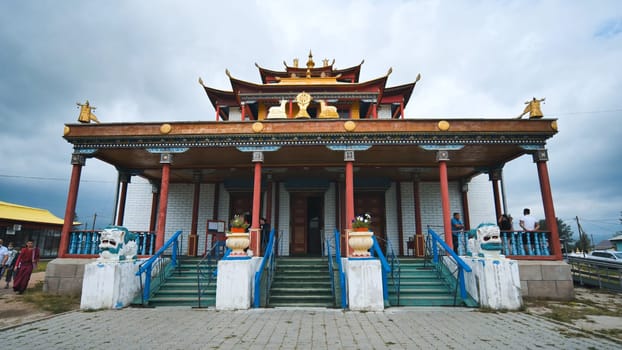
[(494, 283), (364, 284), (110, 285), (234, 285)]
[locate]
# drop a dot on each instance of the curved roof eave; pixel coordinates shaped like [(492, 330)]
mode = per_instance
[(400, 90)]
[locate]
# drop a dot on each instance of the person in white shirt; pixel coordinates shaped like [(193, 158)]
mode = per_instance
[(4, 256), (528, 222)]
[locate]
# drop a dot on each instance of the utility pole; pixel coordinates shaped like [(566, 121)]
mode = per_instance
[(94, 218), (582, 236)]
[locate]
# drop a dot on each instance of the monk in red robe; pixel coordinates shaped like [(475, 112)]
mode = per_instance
[(27, 260)]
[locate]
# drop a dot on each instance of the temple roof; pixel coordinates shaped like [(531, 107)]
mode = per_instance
[(350, 74), (371, 89)]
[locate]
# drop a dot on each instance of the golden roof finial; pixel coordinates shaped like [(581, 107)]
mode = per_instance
[(310, 63), (325, 62)]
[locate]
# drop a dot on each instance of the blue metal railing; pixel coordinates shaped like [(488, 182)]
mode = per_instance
[(147, 266), (342, 275), (268, 262), (394, 267), (330, 267), (436, 242), (386, 268), (207, 268), (86, 242)]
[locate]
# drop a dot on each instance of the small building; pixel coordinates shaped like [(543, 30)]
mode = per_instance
[(617, 242), (19, 223)]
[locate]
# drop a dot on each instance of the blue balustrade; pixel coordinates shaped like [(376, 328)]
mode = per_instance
[(525, 243), (529, 249), (87, 242)]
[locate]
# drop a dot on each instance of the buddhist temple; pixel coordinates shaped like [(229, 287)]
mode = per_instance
[(309, 148)]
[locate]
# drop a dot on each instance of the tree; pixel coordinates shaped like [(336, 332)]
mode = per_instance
[(564, 230), (583, 244)]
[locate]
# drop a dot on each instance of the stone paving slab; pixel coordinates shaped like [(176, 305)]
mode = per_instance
[(297, 328)]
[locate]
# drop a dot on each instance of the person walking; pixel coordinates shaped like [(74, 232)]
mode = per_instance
[(27, 261), (9, 264)]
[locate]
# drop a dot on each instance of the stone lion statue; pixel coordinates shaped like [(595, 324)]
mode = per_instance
[(487, 243), (117, 244)]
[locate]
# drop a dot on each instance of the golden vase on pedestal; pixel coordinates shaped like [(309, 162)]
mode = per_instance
[(360, 242), (237, 242)]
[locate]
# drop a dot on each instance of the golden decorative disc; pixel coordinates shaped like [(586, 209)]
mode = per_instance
[(349, 125), (257, 127), (554, 125), (66, 131), (165, 128), (443, 125)]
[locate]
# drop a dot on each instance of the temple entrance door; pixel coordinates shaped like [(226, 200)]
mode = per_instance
[(240, 203), (372, 203), (307, 222)]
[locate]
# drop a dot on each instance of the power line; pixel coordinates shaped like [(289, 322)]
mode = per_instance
[(49, 178)]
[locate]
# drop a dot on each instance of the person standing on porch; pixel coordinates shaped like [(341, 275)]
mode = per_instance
[(456, 228), (527, 222), (265, 233), (26, 262)]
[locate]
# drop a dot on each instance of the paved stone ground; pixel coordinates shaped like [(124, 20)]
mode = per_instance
[(289, 328)]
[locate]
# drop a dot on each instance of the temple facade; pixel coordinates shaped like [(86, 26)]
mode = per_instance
[(308, 148)]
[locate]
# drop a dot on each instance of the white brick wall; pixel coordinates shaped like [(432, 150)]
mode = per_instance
[(329, 216), (408, 213), (431, 207), (283, 221), (481, 201), (390, 216)]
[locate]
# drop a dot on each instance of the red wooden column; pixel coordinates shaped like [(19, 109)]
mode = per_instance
[(540, 158), (442, 157), (242, 111), (165, 159), (193, 238), (155, 190), (349, 198), (77, 162), (125, 179), (255, 230), (494, 175)]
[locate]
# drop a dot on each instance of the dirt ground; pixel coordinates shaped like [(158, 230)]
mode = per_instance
[(13, 311), (592, 309)]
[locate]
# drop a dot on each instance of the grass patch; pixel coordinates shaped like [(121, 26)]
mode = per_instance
[(41, 266), (53, 303)]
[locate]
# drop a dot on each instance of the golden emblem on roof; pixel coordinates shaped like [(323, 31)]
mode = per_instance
[(303, 99), (533, 108), (86, 113)]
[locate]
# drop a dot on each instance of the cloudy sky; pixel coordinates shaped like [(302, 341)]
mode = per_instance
[(140, 60)]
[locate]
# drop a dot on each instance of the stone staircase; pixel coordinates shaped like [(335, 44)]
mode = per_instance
[(420, 285), (180, 289), (301, 282)]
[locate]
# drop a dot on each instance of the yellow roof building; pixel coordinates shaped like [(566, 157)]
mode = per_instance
[(10, 211)]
